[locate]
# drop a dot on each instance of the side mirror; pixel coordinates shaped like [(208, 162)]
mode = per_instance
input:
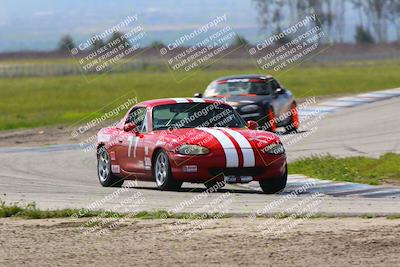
[(131, 127), (198, 95), (277, 92), (252, 125)]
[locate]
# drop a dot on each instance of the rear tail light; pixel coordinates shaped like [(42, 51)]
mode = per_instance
[(272, 121), (295, 116)]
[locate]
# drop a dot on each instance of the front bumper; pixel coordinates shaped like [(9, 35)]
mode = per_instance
[(259, 117), (213, 167), (254, 115)]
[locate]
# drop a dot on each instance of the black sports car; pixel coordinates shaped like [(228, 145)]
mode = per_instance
[(257, 97)]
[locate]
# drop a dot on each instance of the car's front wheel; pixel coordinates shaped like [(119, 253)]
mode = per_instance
[(274, 185), (162, 173), (106, 177)]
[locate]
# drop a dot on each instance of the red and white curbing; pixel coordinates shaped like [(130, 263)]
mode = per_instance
[(334, 105)]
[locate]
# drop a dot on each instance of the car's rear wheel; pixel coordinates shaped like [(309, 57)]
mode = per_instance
[(274, 185), (106, 177), (294, 124), (162, 173)]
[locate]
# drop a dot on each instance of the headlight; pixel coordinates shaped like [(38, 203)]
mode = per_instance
[(249, 108), (274, 149), (193, 150)]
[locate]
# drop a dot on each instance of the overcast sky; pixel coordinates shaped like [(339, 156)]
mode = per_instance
[(39, 24)]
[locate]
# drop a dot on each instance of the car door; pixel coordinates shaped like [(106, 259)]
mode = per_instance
[(140, 151), (127, 153)]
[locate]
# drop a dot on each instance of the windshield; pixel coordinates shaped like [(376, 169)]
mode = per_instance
[(189, 115), (238, 87)]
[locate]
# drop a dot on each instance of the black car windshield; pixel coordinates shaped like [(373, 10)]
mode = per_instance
[(191, 115), (238, 87)]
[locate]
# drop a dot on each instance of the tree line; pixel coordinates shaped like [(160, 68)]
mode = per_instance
[(373, 16), (67, 43), (373, 20)]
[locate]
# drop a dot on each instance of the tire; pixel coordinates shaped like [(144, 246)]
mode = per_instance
[(294, 124), (162, 173), (268, 123), (274, 185), (106, 178)]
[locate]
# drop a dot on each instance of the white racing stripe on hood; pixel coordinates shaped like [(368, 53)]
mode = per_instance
[(231, 155), (247, 151), (180, 100)]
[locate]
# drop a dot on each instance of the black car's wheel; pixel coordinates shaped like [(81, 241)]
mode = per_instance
[(106, 178), (162, 173), (274, 185), (268, 123), (294, 124)]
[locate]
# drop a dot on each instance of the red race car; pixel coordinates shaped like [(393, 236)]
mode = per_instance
[(171, 141)]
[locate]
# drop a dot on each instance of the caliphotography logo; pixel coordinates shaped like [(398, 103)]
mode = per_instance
[(110, 48), (206, 44)]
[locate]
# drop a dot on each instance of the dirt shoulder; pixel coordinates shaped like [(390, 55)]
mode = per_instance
[(45, 136), (225, 242)]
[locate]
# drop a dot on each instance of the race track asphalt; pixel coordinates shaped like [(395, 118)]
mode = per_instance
[(64, 176)]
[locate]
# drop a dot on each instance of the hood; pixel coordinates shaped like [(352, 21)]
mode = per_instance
[(214, 137)]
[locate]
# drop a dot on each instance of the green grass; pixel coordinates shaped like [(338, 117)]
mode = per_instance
[(393, 217), (351, 169), (30, 211), (44, 101)]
